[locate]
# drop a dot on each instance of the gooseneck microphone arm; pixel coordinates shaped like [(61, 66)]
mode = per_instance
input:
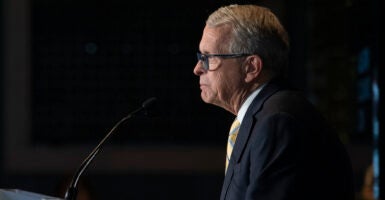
[(71, 192)]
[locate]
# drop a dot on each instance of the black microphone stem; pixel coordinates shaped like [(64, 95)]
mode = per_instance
[(71, 192)]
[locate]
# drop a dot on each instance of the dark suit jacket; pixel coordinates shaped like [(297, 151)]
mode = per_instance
[(285, 151)]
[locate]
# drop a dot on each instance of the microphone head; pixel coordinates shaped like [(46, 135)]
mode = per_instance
[(148, 102)]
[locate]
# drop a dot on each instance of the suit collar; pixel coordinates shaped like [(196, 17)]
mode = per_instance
[(269, 90)]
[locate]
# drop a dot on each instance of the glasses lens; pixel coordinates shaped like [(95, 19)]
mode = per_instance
[(204, 60)]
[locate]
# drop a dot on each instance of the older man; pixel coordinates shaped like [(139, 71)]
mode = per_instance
[(279, 148)]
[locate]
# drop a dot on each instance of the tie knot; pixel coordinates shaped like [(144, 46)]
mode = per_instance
[(231, 141), (234, 127)]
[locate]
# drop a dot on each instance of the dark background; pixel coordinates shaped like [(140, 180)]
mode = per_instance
[(92, 62)]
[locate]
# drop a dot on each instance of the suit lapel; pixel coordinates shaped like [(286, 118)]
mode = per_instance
[(245, 131), (249, 120)]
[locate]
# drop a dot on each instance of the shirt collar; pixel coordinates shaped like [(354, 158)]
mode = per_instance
[(246, 104)]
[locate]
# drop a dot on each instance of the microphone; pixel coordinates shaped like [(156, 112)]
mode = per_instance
[(71, 192)]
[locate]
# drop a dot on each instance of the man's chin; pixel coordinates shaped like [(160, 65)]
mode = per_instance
[(209, 100), (206, 98)]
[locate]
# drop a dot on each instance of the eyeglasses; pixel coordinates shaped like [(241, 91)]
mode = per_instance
[(205, 58)]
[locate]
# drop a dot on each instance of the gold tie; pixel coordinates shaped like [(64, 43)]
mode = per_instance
[(231, 141)]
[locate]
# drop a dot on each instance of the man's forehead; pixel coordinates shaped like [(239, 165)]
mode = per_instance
[(215, 38)]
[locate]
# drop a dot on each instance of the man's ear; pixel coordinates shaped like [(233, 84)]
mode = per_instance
[(253, 67)]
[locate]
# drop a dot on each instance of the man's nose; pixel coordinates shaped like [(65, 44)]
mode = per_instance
[(198, 69)]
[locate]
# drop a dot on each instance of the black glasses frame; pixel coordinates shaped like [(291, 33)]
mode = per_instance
[(205, 58)]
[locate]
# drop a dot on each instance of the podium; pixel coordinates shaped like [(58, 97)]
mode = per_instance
[(16, 194)]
